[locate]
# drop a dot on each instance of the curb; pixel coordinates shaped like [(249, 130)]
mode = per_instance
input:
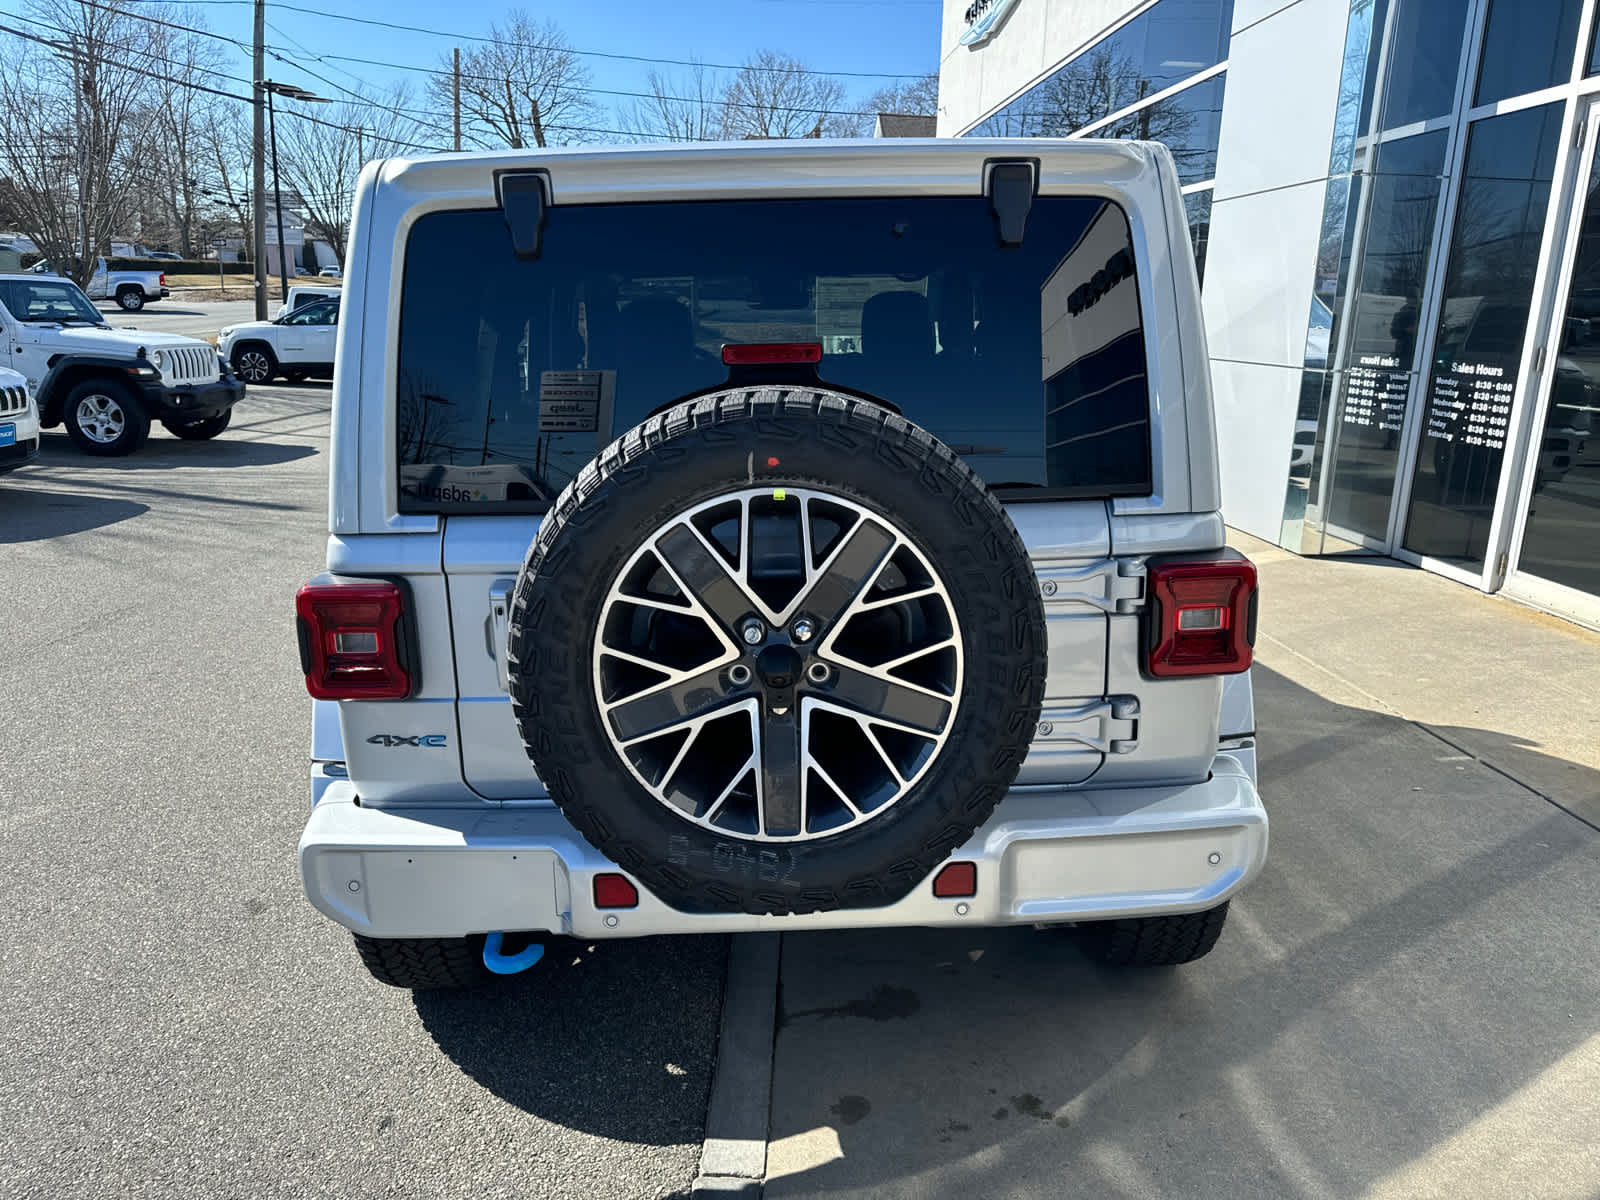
[(733, 1158)]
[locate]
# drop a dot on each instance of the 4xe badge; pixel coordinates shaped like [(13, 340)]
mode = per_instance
[(399, 739)]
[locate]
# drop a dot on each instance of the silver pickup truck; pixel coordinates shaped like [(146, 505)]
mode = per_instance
[(775, 536), (132, 290)]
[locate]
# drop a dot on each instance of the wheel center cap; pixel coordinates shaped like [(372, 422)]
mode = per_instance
[(778, 666)]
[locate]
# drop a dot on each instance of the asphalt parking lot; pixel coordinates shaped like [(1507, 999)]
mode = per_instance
[(1403, 1005), (179, 1022)]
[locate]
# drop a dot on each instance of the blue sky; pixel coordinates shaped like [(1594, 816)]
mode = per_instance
[(896, 37)]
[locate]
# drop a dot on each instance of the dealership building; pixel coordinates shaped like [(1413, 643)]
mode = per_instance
[(1395, 208)]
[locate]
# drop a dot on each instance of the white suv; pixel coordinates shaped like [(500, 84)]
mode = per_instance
[(19, 422), (296, 345), (776, 536)]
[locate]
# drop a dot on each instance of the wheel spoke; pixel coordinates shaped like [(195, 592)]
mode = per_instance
[(701, 575), (898, 703), (849, 572), (780, 772), (657, 710)]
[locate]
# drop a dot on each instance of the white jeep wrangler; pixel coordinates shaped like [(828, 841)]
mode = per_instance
[(770, 537), (107, 384)]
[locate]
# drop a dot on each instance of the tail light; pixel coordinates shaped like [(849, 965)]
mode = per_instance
[(771, 353), (163, 279), (1202, 616), (352, 641)]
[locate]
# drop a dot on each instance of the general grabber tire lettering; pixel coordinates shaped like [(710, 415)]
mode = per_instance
[(777, 651)]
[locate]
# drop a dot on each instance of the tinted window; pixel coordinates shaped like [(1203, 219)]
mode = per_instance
[(1488, 286), (1424, 60), (1029, 361), (46, 300), (320, 312), (1161, 47), (1527, 46)]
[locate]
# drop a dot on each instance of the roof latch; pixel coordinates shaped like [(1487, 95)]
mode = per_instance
[(523, 198), (1011, 188)]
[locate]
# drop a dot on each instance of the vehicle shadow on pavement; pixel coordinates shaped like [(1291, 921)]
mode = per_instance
[(34, 516), (613, 1038), (164, 453), (1402, 1003)]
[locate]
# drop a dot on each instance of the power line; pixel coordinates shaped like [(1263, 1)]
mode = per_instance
[(473, 37)]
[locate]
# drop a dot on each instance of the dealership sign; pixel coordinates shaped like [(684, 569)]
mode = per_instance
[(983, 18)]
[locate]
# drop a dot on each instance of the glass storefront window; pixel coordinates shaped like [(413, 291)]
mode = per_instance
[(1561, 542), (1527, 45), (1363, 35), (1188, 123), (1158, 49), (1198, 207), (1424, 60), (1403, 205), (1488, 287)]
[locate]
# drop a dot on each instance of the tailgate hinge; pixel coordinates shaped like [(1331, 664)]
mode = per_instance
[(497, 628), (1113, 586), (1110, 726)]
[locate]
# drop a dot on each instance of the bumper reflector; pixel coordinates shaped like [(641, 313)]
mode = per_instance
[(956, 880), (615, 891)]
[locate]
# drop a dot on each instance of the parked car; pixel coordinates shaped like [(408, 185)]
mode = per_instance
[(331, 273), (164, 256), (295, 346), (304, 293), (676, 583), (132, 290), (107, 384), (19, 422)]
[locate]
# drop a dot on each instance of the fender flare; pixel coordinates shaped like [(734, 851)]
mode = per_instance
[(52, 393)]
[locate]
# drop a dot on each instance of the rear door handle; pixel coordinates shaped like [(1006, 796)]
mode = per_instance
[(497, 629)]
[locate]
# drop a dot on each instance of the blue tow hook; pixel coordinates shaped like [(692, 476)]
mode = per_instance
[(508, 964)]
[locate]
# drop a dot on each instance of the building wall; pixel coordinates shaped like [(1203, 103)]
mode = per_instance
[(1284, 64)]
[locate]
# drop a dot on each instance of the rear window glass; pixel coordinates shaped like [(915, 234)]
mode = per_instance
[(1029, 361)]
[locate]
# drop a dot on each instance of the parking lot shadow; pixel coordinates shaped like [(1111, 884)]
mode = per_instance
[(615, 1039), (1401, 1004), (29, 516), (164, 454)]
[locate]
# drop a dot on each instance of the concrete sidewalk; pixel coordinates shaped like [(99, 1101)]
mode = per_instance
[(1513, 687), (1403, 1005)]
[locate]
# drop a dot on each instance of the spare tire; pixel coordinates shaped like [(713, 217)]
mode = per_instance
[(777, 651)]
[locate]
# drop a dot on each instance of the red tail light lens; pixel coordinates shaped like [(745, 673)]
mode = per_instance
[(771, 353), (615, 891), (956, 880), (351, 641), (1203, 617), (163, 279)]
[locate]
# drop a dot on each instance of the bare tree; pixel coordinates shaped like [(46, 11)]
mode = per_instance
[(226, 148), (322, 157), (774, 96), (69, 140), (179, 166), (523, 87), (684, 108), (915, 98)]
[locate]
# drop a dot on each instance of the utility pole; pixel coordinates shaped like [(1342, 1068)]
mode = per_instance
[(455, 94), (538, 127), (277, 200), (258, 157)]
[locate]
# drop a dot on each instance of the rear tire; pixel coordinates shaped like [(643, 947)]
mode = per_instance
[(424, 963), (1165, 941), (202, 430), (131, 299)]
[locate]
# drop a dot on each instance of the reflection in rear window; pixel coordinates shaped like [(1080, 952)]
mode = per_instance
[(1030, 361)]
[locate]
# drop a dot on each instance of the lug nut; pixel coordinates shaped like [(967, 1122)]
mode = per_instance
[(818, 672), (803, 629), (738, 674), (752, 632)]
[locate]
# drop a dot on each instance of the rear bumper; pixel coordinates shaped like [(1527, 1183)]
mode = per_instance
[(1045, 856)]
